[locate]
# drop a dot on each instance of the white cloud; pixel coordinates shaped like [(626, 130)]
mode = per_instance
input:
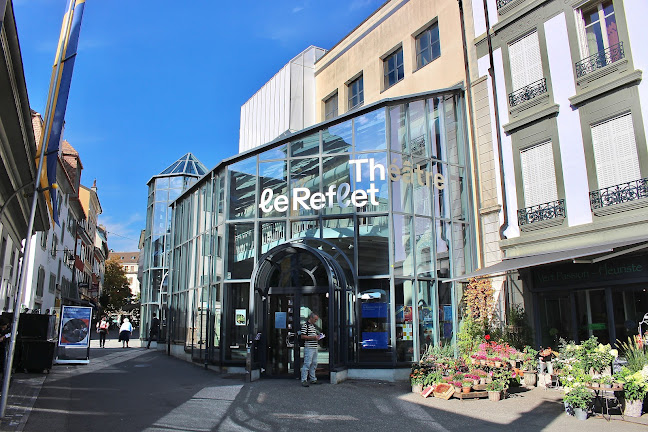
[(123, 236)]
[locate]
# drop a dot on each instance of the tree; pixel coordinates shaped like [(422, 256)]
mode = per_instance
[(116, 292)]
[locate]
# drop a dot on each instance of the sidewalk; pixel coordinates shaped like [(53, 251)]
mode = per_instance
[(164, 394)]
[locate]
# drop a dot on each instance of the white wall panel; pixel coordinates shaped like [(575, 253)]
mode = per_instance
[(569, 130)]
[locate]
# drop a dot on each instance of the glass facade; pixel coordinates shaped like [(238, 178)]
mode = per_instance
[(361, 219), (162, 190)]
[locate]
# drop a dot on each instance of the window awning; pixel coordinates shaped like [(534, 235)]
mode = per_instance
[(588, 254)]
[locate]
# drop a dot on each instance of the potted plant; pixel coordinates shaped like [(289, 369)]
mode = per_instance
[(466, 385), (595, 383), (635, 388), (417, 377), (529, 366), (579, 398), (495, 388)]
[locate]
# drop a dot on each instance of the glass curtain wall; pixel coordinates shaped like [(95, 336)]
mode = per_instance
[(387, 186)]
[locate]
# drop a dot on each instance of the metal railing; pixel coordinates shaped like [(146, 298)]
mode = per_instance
[(527, 93), (600, 60), (619, 194), (541, 212)]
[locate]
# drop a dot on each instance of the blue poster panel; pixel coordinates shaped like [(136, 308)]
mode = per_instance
[(280, 320), (374, 310), (375, 340), (447, 313), (75, 326)]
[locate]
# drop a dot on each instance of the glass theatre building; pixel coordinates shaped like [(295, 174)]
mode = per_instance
[(361, 219)]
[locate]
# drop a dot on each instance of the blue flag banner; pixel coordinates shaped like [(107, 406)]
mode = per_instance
[(58, 97)]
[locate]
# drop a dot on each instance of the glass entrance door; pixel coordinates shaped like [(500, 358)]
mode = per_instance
[(286, 314), (283, 345)]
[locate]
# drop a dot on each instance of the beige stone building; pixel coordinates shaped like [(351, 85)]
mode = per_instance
[(130, 263)]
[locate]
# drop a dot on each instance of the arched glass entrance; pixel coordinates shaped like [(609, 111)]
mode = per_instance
[(291, 281)]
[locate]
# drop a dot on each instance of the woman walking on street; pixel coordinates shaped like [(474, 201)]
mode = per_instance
[(102, 329), (124, 332)]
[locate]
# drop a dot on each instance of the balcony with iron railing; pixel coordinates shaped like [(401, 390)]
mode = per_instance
[(502, 5), (553, 211), (528, 92), (599, 60), (622, 194)]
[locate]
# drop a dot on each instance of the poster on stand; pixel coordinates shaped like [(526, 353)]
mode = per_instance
[(74, 335)]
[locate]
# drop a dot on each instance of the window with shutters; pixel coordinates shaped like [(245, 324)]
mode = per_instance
[(527, 77), (615, 151), (538, 174), (52, 283), (40, 282)]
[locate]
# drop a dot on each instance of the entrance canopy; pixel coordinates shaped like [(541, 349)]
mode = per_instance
[(590, 254)]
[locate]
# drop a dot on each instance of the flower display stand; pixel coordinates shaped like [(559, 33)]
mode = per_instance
[(479, 391)]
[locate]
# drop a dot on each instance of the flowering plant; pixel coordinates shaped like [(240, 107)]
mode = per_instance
[(547, 354), (470, 376), (529, 359)]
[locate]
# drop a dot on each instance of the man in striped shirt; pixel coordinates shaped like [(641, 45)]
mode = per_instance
[(311, 337)]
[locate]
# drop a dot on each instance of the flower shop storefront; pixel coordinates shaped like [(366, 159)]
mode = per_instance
[(361, 219), (606, 299)]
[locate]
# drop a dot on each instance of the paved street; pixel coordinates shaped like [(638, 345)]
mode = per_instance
[(136, 389)]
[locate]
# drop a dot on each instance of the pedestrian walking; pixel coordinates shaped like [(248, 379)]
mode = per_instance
[(102, 330), (311, 337), (124, 332), (154, 330)]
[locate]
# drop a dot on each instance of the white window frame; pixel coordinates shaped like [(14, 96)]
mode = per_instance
[(582, 28)]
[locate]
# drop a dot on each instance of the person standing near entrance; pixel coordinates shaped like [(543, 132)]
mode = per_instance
[(154, 331), (311, 336)]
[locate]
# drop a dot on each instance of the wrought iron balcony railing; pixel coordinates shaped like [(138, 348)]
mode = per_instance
[(541, 212), (619, 194), (502, 3), (527, 93), (600, 60)]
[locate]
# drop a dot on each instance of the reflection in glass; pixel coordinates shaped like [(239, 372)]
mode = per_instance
[(459, 194), (336, 170), (424, 246), (401, 186), (417, 131), (337, 138), (461, 256), (375, 168), (398, 129), (275, 153), (443, 237), (305, 228), (423, 183), (446, 311), (240, 249), (307, 146), (441, 196), (370, 131), (304, 173), (273, 176), (437, 146), (373, 245), (242, 189), (272, 234), (403, 258), (237, 296), (340, 232)]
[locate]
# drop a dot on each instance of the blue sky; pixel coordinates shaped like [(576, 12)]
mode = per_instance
[(154, 80)]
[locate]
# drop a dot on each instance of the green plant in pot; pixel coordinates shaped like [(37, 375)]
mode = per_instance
[(529, 359), (579, 398), (635, 388), (433, 378)]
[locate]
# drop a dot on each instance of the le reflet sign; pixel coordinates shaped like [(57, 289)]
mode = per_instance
[(343, 196)]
